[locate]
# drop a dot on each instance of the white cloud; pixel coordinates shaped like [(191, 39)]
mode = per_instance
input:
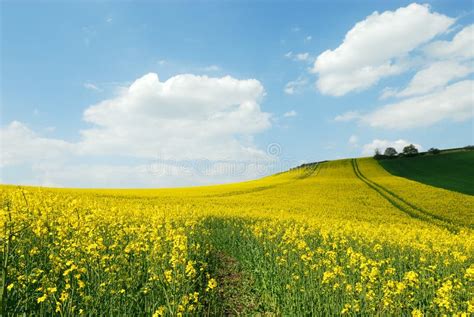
[(461, 47), (91, 86), (299, 57), (381, 145), (289, 114), (353, 140), (308, 38), (295, 29), (184, 117), (435, 76), (455, 102), (348, 116), (20, 145), (434, 94), (302, 57), (376, 47), (295, 86), (388, 92)]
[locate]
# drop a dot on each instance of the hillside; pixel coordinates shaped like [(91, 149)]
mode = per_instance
[(335, 237), (450, 170)]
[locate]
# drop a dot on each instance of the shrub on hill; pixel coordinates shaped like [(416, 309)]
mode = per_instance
[(378, 155), (410, 150), (390, 152)]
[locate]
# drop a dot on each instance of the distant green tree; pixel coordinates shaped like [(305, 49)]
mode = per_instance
[(410, 150), (434, 150), (390, 152), (378, 155)]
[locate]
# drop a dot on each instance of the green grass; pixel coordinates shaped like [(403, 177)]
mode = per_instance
[(452, 170)]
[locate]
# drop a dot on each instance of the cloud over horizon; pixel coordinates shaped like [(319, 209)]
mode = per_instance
[(184, 118)]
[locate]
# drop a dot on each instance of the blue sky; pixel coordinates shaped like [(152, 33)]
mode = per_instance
[(145, 94)]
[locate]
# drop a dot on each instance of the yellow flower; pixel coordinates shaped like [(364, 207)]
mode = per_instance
[(346, 309), (416, 313), (411, 277), (190, 270), (52, 290), (63, 296), (211, 284), (469, 273), (42, 298), (168, 276), (159, 312), (195, 296)]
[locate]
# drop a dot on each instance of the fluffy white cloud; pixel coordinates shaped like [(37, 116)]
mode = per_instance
[(455, 102), (436, 93), (289, 114), (381, 145), (185, 117), (435, 76), (461, 46), (375, 48)]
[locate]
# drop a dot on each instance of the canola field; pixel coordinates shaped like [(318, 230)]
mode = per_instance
[(337, 238)]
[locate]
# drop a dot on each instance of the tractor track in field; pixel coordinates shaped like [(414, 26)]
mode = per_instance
[(403, 205)]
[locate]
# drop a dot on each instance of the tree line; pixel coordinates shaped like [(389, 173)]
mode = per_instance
[(411, 150), (408, 151)]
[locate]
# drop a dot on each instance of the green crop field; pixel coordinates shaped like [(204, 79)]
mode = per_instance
[(452, 170)]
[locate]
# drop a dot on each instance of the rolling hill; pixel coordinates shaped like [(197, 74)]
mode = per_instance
[(329, 238), (449, 170)]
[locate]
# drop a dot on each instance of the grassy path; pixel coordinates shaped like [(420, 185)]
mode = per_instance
[(236, 294), (402, 204)]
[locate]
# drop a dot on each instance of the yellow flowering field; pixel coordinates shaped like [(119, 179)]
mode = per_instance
[(338, 238)]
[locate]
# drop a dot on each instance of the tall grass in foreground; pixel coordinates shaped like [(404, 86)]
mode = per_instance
[(297, 271)]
